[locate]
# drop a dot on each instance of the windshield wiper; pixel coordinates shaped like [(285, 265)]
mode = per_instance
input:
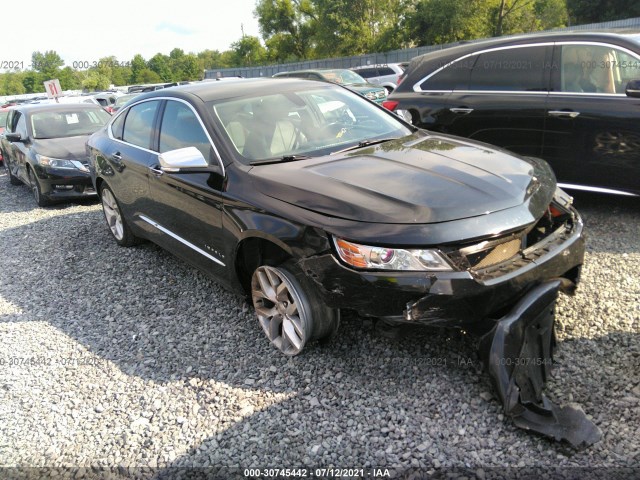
[(283, 159), (364, 143)]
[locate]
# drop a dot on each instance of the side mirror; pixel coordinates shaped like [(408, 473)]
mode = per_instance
[(633, 88), (183, 160), (14, 137)]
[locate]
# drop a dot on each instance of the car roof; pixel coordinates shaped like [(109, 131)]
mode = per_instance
[(208, 91), (464, 47), (56, 107), (578, 35)]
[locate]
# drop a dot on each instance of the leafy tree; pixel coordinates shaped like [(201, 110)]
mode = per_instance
[(95, 81), (48, 63), (189, 68), (138, 65), (287, 25), (592, 11), (11, 84), (70, 79), (445, 21), (160, 64), (210, 59), (248, 51), (148, 76), (33, 82)]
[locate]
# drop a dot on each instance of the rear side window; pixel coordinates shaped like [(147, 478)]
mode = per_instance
[(181, 128), (512, 69), (453, 77), (367, 72), (138, 126), (386, 71)]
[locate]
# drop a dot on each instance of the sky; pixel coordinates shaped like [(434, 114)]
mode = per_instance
[(85, 31)]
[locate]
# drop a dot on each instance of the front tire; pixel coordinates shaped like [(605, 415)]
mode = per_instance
[(115, 220), (289, 309), (41, 199)]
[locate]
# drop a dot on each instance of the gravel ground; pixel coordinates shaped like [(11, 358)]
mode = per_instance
[(137, 361)]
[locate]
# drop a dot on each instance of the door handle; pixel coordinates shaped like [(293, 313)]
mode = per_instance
[(156, 171), (461, 110), (563, 113)]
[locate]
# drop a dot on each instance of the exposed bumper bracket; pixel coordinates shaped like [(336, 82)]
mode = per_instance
[(518, 353)]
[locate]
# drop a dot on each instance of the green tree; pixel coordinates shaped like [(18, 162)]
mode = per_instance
[(11, 84), (286, 25), (210, 59), (591, 11), (444, 21), (248, 52), (138, 66), (33, 81), (70, 79), (148, 76), (47, 63), (159, 63), (95, 81), (189, 68)]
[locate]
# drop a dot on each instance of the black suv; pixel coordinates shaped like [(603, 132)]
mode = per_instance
[(569, 98)]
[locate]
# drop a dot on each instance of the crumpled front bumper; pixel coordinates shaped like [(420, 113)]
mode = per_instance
[(518, 354)]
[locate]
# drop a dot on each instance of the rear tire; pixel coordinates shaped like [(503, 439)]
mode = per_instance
[(115, 220), (289, 309)]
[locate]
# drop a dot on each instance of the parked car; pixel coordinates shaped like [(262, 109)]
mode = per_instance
[(569, 98), (3, 119), (385, 75), (106, 100), (345, 77), (310, 199), (44, 147), (121, 101)]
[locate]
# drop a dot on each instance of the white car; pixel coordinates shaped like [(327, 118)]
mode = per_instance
[(385, 75)]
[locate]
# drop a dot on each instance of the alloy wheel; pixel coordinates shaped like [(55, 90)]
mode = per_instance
[(280, 309), (112, 214)]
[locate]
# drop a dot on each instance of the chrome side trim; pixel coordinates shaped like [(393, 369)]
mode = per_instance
[(596, 189), (180, 239)]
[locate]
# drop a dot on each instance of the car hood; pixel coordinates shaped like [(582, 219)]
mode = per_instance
[(363, 87), (414, 180), (68, 148)]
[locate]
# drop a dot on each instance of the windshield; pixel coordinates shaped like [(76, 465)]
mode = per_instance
[(304, 122), (69, 123), (343, 77), (3, 118)]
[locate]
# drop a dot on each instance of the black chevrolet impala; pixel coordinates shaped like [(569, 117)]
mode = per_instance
[(311, 199)]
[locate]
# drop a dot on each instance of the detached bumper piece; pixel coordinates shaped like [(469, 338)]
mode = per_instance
[(518, 353)]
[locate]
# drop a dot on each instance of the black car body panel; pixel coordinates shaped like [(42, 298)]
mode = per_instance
[(491, 226), (559, 96)]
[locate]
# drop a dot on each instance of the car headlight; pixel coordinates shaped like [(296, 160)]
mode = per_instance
[(60, 163), (384, 258)]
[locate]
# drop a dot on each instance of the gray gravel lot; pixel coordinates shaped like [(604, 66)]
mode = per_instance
[(127, 357)]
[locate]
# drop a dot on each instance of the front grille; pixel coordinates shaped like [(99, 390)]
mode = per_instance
[(498, 254), (496, 257)]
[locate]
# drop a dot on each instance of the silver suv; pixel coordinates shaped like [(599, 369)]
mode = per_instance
[(386, 75)]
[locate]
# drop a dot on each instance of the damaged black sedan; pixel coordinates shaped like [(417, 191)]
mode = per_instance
[(310, 199)]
